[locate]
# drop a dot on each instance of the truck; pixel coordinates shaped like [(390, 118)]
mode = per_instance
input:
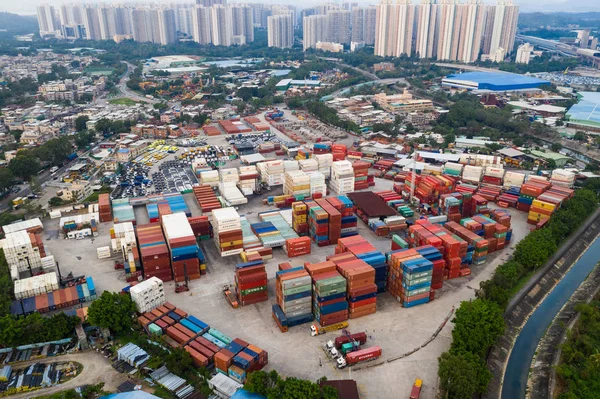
[(344, 344), (415, 393), (363, 355), (315, 329)]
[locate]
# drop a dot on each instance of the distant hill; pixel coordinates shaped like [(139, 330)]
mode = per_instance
[(559, 19), (18, 24)]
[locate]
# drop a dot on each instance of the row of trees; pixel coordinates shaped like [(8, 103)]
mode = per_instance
[(329, 115), (272, 386), (479, 323)]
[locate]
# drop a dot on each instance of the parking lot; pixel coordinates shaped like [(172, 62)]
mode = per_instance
[(173, 176), (397, 330)]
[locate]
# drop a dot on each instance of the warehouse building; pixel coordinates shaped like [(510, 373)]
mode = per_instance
[(490, 82), (586, 113)]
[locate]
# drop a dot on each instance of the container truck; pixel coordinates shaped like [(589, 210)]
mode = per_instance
[(315, 329), (415, 393), (363, 355)]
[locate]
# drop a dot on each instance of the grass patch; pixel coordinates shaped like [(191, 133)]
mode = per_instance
[(122, 101)]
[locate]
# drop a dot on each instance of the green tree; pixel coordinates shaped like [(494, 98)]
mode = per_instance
[(535, 251), (477, 325), (6, 179), (113, 311), (16, 134), (56, 201), (556, 147), (24, 167), (580, 136), (34, 184), (81, 123), (179, 361), (462, 375), (449, 139)]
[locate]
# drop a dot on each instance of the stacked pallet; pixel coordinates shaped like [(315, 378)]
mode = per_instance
[(248, 177), (411, 274), (251, 283), (361, 171), (317, 184), (297, 246), (300, 218), (209, 178), (297, 183), (271, 172), (206, 198), (185, 256), (360, 278), (362, 249), (293, 290), (154, 252), (227, 231), (342, 178), (201, 227), (329, 293), (324, 161), (23, 250), (104, 208), (148, 295)]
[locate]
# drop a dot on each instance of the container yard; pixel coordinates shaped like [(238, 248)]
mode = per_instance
[(267, 250)]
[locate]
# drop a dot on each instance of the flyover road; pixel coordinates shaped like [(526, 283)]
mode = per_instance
[(122, 86), (96, 369)]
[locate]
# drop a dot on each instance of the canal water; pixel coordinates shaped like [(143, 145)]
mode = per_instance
[(517, 370)]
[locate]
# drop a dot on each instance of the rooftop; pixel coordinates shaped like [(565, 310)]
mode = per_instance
[(511, 152), (549, 155), (495, 81), (587, 110)]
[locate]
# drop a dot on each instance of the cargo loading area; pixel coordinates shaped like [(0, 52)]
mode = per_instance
[(395, 329)]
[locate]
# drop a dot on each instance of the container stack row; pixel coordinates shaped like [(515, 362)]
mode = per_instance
[(227, 231), (324, 161), (36, 285), (248, 178), (293, 289), (297, 183), (364, 250), (185, 255), (201, 227), (209, 178), (297, 246), (23, 250), (251, 283), (479, 244), (300, 218), (206, 198), (154, 252), (271, 172), (361, 287), (148, 295), (410, 275), (361, 172), (342, 178), (329, 293), (104, 208)]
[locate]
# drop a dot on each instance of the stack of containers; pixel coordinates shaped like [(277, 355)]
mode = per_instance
[(540, 211), (335, 220), (177, 204), (453, 169), (206, 198), (300, 218), (318, 224), (297, 246), (493, 175), (411, 274), (209, 178), (36, 285), (478, 205), (271, 172), (293, 288), (227, 230), (201, 227), (349, 220), (22, 250), (248, 177), (123, 235), (472, 174), (122, 211), (104, 208), (229, 175), (148, 294), (152, 210), (297, 183), (361, 172), (309, 165), (282, 220), (329, 293), (563, 178), (513, 179), (154, 252), (232, 194), (290, 165), (362, 249), (456, 255), (338, 151), (317, 184), (530, 190), (250, 239), (322, 147), (269, 235), (324, 161), (303, 153), (163, 209), (342, 178), (361, 287), (185, 256), (479, 243), (251, 282)]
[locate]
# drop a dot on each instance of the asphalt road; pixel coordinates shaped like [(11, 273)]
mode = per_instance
[(122, 86)]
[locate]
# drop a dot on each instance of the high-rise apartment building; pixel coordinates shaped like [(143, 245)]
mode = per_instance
[(358, 24), (201, 25), (210, 3), (338, 26), (394, 29), (524, 53), (369, 25), (47, 19), (315, 30), (280, 31), (242, 21), (166, 26), (91, 22), (504, 27), (220, 25)]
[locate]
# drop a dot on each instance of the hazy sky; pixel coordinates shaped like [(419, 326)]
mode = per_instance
[(28, 6)]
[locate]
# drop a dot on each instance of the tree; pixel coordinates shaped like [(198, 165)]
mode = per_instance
[(462, 375), (449, 139), (273, 386), (16, 134), (113, 311), (24, 167), (81, 123), (34, 184), (56, 201), (580, 136), (477, 325), (556, 147), (535, 251), (6, 179), (179, 361), (103, 125)]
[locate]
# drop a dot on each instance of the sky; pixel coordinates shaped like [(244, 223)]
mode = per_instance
[(28, 6)]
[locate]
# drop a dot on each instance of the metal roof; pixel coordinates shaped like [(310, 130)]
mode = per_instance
[(130, 395), (438, 156), (511, 152), (496, 81)]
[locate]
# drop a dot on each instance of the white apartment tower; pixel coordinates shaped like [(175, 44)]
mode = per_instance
[(280, 31), (504, 27), (242, 22), (315, 30), (167, 27), (395, 28), (338, 26), (221, 29), (47, 19), (91, 22), (201, 26), (524, 53)]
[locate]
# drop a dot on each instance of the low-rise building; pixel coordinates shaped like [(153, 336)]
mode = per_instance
[(330, 46), (402, 103), (384, 66)]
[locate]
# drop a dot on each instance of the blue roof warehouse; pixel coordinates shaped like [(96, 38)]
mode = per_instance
[(492, 82)]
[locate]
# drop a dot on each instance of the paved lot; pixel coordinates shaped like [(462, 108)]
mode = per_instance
[(296, 353)]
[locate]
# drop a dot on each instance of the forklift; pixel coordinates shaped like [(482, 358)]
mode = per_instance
[(183, 287)]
